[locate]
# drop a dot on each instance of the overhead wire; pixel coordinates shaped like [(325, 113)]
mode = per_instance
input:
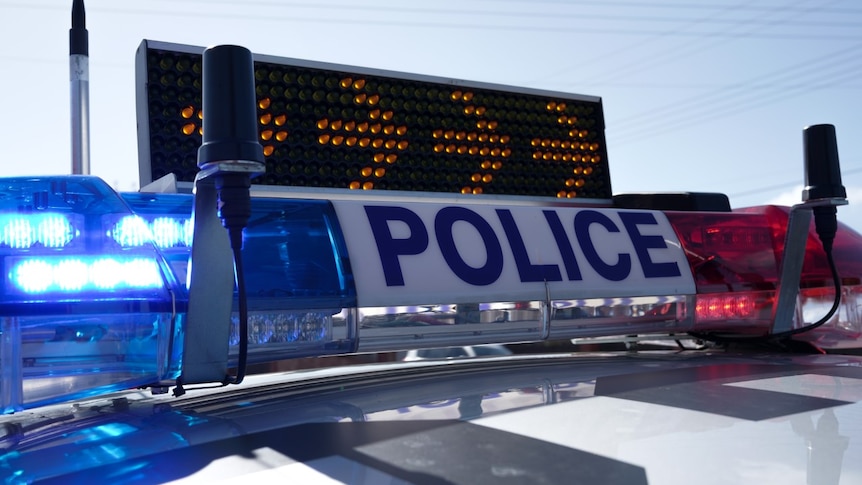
[(809, 67), (688, 49), (632, 128), (719, 97), (722, 102), (411, 12), (532, 13), (534, 6), (762, 189), (680, 5), (738, 104), (679, 51)]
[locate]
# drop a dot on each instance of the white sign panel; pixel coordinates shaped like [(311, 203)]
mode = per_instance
[(423, 253)]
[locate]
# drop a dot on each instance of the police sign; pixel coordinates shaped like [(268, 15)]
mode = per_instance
[(404, 253)]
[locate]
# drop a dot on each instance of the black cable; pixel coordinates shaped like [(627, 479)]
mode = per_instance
[(180, 390), (836, 303), (826, 226), (235, 211), (242, 358)]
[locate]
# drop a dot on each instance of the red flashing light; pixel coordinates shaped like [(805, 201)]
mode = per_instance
[(725, 307), (735, 259), (737, 238), (741, 250), (729, 251), (748, 312)]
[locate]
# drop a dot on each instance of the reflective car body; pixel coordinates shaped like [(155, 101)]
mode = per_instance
[(455, 352), (633, 418)]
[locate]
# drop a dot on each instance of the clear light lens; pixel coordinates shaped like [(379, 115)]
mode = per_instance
[(844, 329), (54, 358), (597, 317), (32, 276), (290, 334)]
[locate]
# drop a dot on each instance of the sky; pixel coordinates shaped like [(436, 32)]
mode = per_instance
[(699, 95)]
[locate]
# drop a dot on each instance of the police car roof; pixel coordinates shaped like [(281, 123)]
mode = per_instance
[(644, 417)]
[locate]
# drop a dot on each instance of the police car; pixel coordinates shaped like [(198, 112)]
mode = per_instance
[(129, 321)]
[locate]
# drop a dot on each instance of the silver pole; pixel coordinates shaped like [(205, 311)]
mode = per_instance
[(79, 77)]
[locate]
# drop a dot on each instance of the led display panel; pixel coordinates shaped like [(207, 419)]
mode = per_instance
[(335, 126)]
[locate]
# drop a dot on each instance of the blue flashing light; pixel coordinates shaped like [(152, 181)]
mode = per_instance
[(169, 232), (131, 231), (293, 250), (54, 231), (17, 233), (297, 273), (33, 230), (88, 304), (33, 276), (70, 274), (168, 219), (62, 274), (165, 232)]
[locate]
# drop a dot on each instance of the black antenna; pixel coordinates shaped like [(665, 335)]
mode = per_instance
[(822, 168), (79, 77), (230, 108), (822, 178)]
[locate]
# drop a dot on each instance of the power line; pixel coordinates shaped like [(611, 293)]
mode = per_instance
[(741, 104), (688, 6), (796, 35), (605, 56), (533, 14), (785, 185), (747, 7), (741, 30), (857, 84), (808, 68)]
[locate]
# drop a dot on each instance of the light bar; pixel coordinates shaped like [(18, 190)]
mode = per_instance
[(89, 305), (80, 314), (327, 125)]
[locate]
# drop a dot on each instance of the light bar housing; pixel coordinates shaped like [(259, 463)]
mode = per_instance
[(307, 297), (562, 271), (336, 126)]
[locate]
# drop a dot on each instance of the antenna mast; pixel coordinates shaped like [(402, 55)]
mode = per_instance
[(79, 76)]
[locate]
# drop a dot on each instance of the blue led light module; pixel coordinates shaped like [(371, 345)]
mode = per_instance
[(89, 304)]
